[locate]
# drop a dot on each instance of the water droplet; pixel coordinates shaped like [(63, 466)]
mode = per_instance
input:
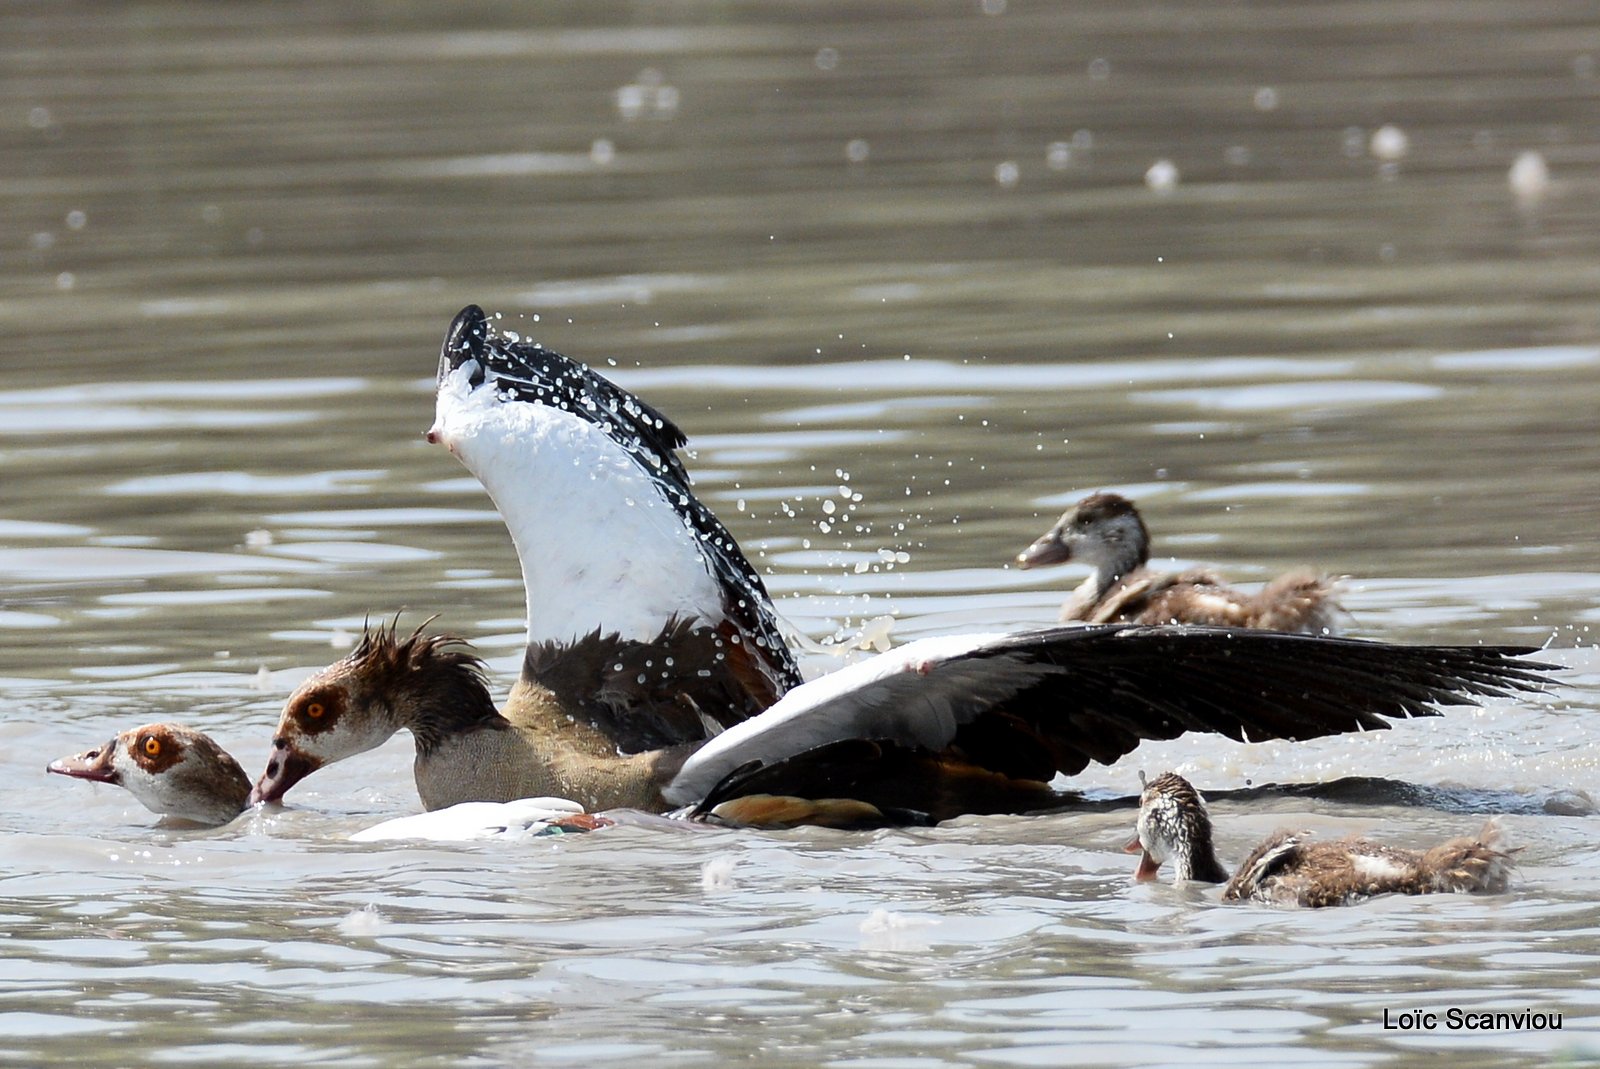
[(630, 101), (1529, 177), (1389, 142), (1162, 177)]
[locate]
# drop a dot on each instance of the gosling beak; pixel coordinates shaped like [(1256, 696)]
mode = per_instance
[(1148, 866), (286, 768), (91, 764), (1047, 549)]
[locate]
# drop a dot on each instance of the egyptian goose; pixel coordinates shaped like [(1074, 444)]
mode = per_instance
[(1291, 869), (655, 676), (173, 770), (1106, 532)]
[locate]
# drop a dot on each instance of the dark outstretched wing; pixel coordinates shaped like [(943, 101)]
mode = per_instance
[(1134, 683), (536, 375), (1029, 705)]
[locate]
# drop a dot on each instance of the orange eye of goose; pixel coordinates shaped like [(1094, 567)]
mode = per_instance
[(152, 745), (315, 710)]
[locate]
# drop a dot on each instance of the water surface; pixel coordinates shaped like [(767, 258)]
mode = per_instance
[(899, 258)]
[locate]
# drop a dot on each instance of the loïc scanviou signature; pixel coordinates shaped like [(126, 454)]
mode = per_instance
[(1455, 1019)]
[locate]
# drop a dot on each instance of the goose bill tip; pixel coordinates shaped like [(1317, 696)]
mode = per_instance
[(283, 772), (95, 767), (1045, 551)]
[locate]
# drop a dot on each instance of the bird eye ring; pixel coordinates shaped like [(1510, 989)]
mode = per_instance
[(315, 710), (152, 745)]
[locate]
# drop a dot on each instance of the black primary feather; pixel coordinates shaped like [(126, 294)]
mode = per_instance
[(1127, 683)]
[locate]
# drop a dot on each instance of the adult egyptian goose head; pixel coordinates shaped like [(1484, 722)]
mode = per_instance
[(1106, 532), (655, 678), (1293, 869), (173, 770)]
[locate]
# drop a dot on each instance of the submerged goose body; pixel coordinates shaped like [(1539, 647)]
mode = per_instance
[(1106, 532), (655, 677), (173, 770), (1292, 869), (525, 818)]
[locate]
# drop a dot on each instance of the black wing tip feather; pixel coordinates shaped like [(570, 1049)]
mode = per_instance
[(465, 340), (555, 380), (1487, 666)]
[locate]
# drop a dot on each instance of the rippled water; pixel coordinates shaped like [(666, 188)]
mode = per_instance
[(901, 252)]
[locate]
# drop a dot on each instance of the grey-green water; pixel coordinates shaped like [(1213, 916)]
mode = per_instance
[(904, 248)]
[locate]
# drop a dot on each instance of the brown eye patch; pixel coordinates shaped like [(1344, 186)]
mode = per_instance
[(155, 751), (316, 712)]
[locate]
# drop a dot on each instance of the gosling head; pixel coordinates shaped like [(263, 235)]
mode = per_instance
[(1174, 824), (1103, 531), (173, 770)]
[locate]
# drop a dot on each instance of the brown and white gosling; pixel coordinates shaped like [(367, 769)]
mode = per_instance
[(1105, 531), (174, 770), (1288, 869)]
